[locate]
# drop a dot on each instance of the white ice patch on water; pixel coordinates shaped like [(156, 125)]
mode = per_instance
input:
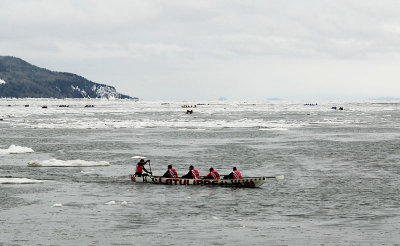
[(138, 157), (110, 203), (20, 181), (57, 205), (69, 163), (2, 82), (14, 149)]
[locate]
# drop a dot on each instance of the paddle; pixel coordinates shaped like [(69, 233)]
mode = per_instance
[(279, 177), (150, 169)]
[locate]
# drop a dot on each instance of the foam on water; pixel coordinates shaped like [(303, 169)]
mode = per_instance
[(20, 181), (69, 163), (14, 149)]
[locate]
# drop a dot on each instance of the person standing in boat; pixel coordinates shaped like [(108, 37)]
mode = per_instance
[(140, 168), (170, 173), (234, 175), (192, 174), (213, 175)]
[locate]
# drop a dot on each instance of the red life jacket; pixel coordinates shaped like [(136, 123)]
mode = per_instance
[(195, 174), (237, 175), (139, 168), (173, 173), (214, 174)]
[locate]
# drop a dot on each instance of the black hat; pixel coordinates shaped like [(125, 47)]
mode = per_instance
[(211, 169), (141, 160), (191, 167), (234, 168), (169, 166)]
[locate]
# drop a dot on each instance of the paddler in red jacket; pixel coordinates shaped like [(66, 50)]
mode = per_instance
[(171, 173), (140, 168), (234, 175), (213, 175), (192, 174)]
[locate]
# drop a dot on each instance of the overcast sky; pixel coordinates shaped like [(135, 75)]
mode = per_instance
[(203, 50)]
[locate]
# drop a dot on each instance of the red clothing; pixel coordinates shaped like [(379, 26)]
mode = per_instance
[(173, 173), (139, 167), (213, 175), (195, 174), (237, 175)]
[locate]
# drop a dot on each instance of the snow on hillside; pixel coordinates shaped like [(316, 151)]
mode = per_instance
[(105, 91)]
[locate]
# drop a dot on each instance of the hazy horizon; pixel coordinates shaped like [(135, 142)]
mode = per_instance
[(191, 50)]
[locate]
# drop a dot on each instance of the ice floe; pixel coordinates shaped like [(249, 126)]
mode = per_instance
[(20, 181), (69, 163), (138, 157), (14, 149)]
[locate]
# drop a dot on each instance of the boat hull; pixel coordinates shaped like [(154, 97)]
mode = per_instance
[(251, 182)]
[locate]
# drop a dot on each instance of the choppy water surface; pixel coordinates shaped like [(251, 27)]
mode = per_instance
[(341, 168)]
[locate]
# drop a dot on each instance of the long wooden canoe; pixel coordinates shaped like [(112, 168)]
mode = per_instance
[(247, 182)]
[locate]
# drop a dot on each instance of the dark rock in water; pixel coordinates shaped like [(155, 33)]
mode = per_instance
[(19, 79)]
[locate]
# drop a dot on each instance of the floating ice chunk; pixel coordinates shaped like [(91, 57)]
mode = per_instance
[(215, 217), (20, 181), (124, 203), (2, 82), (69, 163), (138, 157), (111, 203), (85, 173), (14, 149), (57, 205)]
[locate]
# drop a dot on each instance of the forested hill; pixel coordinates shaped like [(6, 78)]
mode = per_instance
[(19, 79)]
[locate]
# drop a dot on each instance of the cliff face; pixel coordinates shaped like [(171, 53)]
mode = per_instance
[(20, 79)]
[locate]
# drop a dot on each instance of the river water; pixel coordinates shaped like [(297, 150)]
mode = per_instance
[(64, 173)]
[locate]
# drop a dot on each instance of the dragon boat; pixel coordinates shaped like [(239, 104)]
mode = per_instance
[(247, 182)]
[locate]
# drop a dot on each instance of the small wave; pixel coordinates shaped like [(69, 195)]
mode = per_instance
[(14, 149), (20, 181), (69, 163)]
